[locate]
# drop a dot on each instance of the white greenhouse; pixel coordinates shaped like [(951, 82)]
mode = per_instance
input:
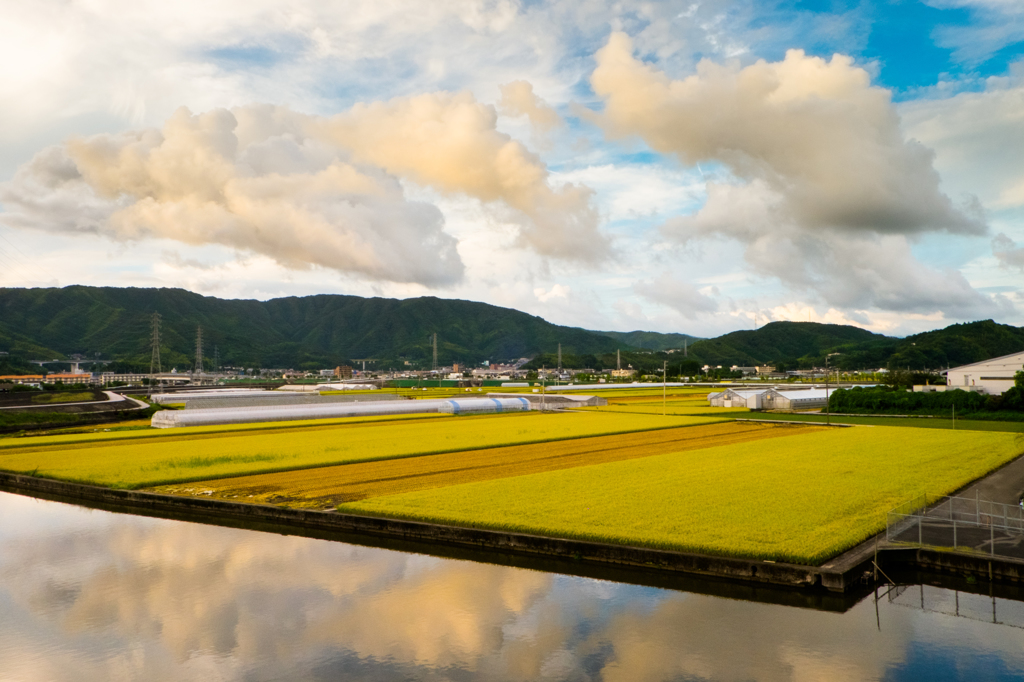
[(752, 398), (796, 399), (167, 419), (278, 413), (484, 405)]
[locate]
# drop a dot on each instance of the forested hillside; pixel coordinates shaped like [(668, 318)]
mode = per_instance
[(323, 331), (652, 340), (300, 332), (797, 344)]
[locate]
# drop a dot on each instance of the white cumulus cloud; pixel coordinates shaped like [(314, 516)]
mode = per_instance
[(825, 191), (676, 294), (519, 99), (307, 190), (1007, 252)]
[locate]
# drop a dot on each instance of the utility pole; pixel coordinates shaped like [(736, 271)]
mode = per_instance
[(618, 359), (154, 359), (216, 358), (664, 388), (199, 352), (559, 358), (685, 353), (435, 351), (828, 412)]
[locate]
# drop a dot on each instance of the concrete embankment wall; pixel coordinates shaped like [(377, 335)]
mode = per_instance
[(844, 573), (839, 579)]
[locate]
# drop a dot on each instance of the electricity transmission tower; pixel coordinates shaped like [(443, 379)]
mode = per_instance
[(199, 352), (154, 360)]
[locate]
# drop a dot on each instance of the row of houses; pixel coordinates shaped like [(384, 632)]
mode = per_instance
[(104, 379)]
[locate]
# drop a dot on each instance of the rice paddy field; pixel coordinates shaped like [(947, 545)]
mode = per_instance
[(136, 459), (695, 480), (696, 405), (801, 498), (911, 422), (330, 486)]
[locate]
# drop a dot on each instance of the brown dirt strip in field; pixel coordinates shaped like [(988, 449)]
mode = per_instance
[(328, 486)]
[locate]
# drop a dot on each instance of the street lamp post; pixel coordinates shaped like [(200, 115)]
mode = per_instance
[(664, 387), (828, 411)]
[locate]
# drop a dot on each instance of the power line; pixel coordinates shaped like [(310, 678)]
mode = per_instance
[(32, 263), (154, 361), (13, 266), (199, 351)]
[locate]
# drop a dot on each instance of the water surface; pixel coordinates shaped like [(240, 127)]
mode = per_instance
[(93, 595)]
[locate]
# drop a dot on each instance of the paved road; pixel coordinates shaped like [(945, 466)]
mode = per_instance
[(111, 398), (1005, 485)]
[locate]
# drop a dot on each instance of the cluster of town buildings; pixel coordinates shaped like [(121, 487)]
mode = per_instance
[(992, 376)]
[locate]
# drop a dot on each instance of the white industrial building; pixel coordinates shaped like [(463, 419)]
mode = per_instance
[(993, 376)]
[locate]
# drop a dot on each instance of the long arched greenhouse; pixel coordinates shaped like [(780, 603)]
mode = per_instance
[(249, 415)]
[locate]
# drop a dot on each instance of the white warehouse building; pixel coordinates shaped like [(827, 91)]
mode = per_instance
[(993, 376)]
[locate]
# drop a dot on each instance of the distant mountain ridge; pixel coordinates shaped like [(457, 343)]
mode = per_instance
[(300, 332), (653, 340), (796, 343), (325, 330)]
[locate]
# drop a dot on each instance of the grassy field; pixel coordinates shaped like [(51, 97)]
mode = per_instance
[(913, 422), (64, 397), (146, 458), (801, 498), (329, 486)]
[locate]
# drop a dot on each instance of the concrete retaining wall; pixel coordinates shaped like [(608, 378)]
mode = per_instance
[(838, 578)]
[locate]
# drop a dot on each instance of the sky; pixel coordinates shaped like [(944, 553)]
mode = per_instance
[(695, 167)]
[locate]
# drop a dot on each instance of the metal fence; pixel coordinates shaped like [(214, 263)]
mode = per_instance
[(979, 607), (960, 523)]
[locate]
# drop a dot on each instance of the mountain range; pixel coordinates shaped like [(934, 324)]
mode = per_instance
[(320, 331)]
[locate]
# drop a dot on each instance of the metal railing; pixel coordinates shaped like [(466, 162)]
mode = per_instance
[(959, 523), (973, 606)]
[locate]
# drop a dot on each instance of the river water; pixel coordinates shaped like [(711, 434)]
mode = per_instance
[(87, 594)]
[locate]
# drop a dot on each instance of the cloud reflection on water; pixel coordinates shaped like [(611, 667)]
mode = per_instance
[(125, 597)]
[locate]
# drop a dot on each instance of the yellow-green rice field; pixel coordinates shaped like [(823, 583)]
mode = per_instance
[(801, 498), (147, 458)]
